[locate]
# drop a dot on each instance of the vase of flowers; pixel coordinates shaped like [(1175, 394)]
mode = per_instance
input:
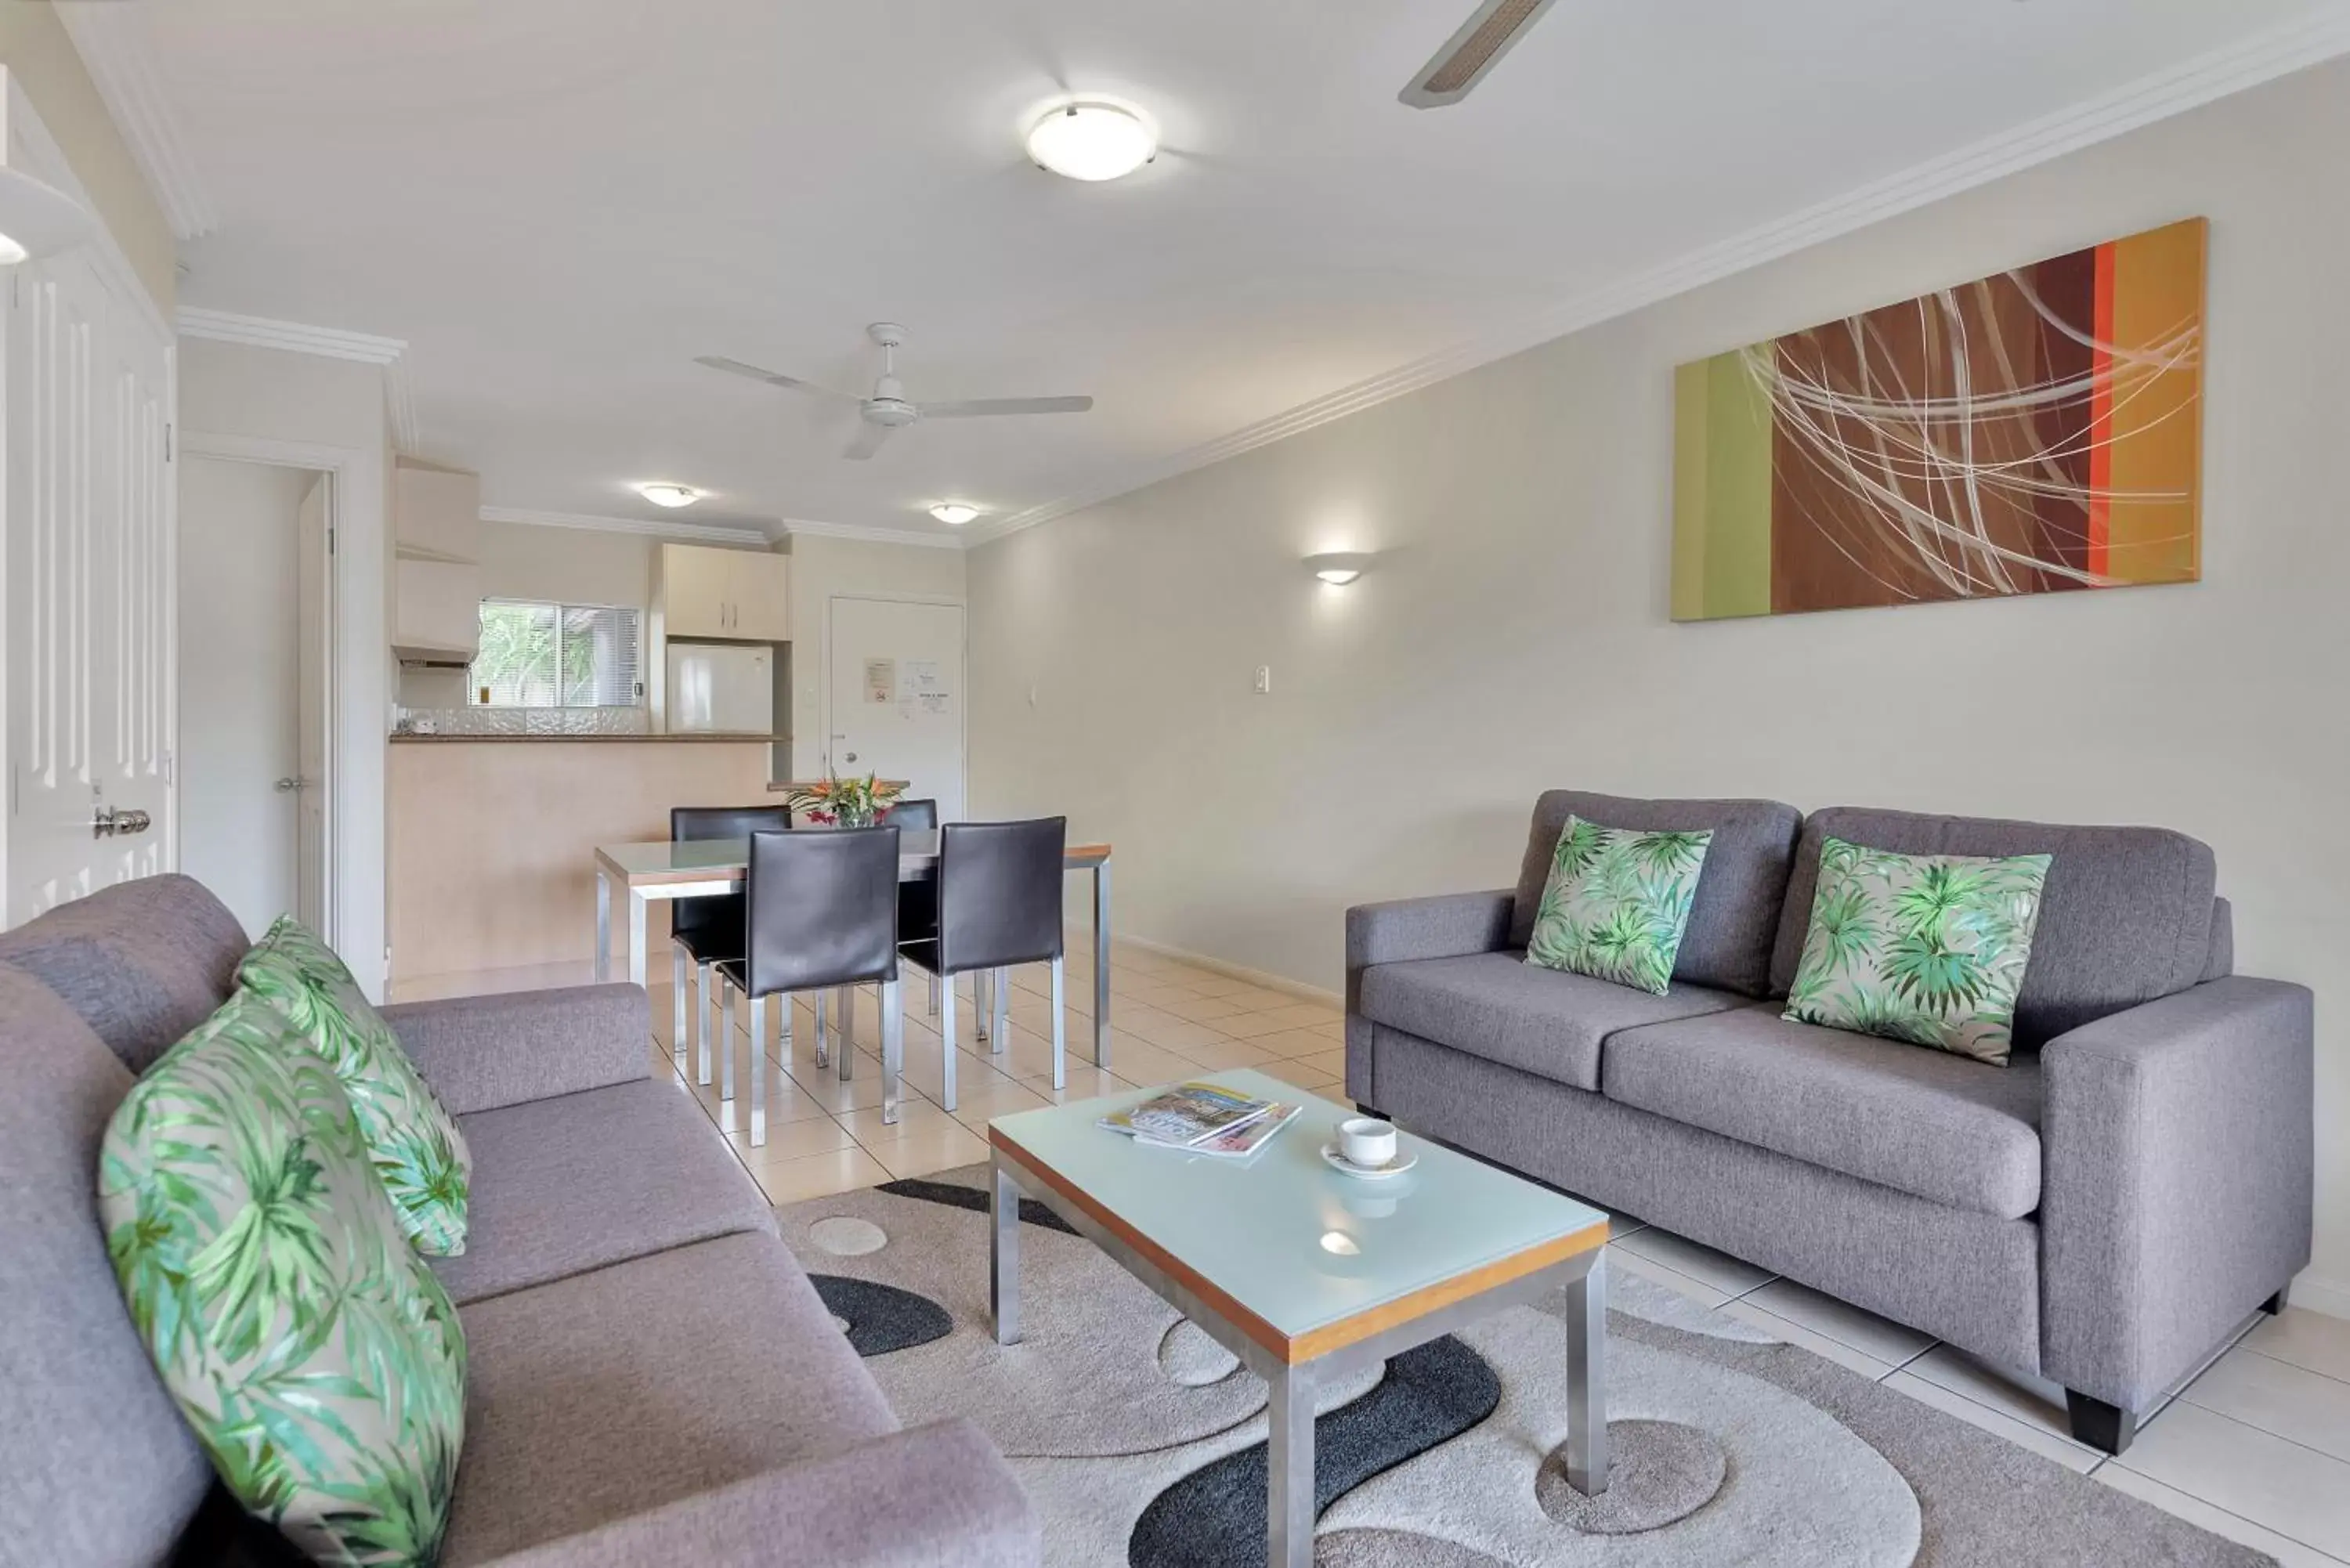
[(845, 802)]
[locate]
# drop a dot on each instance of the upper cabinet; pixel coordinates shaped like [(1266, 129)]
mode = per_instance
[(436, 521), (436, 513), (724, 595)]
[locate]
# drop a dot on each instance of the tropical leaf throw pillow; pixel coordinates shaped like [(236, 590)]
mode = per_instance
[(417, 1149), (313, 1352), (1930, 949), (1616, 903)]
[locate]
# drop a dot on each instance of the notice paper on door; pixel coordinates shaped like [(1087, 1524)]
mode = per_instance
[(921, 688), (881, 681)]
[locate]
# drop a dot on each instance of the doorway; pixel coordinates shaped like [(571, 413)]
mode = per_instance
[(894, 696), (255, 685)]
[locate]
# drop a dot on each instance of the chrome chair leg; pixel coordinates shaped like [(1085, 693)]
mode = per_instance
[(1002, 987), (893, 1049), (823, 1057), (1060, 1071), (934, 996), (681, 966), (705, 1006), (844, 1044), (726, 1068), (983, 1007), (947, 1037), (759, 1069)]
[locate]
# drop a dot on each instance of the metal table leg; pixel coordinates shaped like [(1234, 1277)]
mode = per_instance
[(1003, 1258), (1289, 1492), (893, 1049), (1101, 964), (1586, 1380), (637, 908), (1000, 987), (603, 925), (759, 1069)]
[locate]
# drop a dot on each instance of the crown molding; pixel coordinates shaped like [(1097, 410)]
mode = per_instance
[(660, 529), (119, 51), (2248, 63), (291, 337), (871, 535)]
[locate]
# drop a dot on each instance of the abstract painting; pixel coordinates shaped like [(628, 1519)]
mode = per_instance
[(2031, 433)]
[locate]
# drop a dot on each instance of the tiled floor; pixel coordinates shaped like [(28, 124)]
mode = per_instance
[(2256, 1448)]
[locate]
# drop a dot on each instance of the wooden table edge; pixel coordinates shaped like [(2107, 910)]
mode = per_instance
[(1330, 1336)]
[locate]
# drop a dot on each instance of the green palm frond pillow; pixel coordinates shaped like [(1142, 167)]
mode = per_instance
[(1930, 949), (1616, 903), (417, 1149), (312, 1351)]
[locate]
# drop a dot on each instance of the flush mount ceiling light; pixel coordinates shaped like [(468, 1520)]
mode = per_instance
[(954, 513), (1089, 139), (36, 219), (1338, 569), (670, 494)]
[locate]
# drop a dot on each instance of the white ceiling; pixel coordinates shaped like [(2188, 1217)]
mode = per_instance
[(558, 203)]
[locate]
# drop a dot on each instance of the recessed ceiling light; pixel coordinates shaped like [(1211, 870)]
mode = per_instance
[(1088, 139), (953, 512), (1338, 569), (670, 494)]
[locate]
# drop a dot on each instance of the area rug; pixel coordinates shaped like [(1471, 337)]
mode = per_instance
[(1142, 1441)]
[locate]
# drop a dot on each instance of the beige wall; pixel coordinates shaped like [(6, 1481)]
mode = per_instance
[(1514, 634), (33, 45), (823, 567), (568, 566)]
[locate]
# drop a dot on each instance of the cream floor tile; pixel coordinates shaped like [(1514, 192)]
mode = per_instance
[(934, 1150), (1717, 1271), (973, 1108), (2027, 1434), (2032, 1401), (2292, 1489), (2305, 1338), (1141, 1062), (1260, 1022), (1792, 1332), (914, 1117), (1166, 1029), (1028, 1053), (1291, 1043), (1879, 1339), (819, 1176), (1222, 1054), (1258, 998), (1223, 987), (1331, 1061), (2289, 1554), (1697, 1290), (1294, 1074), (791, 1140), (1201, 1009), (2291, 1402), (820, 1086), (1083, 1083)]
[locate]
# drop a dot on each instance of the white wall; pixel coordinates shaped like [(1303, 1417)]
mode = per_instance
[(232, 395), (823, 567), (1514, 633), (568, 566)]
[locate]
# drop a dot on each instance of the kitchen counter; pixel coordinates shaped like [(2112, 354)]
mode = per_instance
[(699, 737)]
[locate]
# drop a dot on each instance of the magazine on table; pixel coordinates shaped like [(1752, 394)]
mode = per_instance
[(1238, 1142), (1187, 1114)]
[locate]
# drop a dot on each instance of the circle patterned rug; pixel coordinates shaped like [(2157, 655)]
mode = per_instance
[(1142, 1441)]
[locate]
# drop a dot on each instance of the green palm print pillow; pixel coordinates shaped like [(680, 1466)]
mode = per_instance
[(418, 1151), (313, 1352), (1930, 949), (1616, 903)]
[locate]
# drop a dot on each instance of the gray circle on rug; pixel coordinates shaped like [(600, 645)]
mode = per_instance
[(1658, 1473), (1395, 1549), (1192, 1360), (846, 1237)]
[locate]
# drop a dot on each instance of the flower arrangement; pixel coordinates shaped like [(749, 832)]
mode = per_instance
[(850, 803)]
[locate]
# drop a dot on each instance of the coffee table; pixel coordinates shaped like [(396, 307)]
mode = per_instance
[(1305, 1274)]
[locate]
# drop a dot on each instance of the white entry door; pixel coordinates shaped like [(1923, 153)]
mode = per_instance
[(315, 652), (897, 696), (90, 643)]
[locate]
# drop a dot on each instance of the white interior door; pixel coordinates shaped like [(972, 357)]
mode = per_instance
[(314, 712), (241, 681), (896, 705), (91, 600)]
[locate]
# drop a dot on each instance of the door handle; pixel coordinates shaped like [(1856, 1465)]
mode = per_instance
[(114, 821), (288, 786)]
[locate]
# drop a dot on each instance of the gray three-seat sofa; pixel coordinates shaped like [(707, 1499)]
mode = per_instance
[(2103, 1211), (653, 1378)]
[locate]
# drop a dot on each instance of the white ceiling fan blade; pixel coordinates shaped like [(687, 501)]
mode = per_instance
[(1469, 54), (773, 377), (974, 408), (867, 441)]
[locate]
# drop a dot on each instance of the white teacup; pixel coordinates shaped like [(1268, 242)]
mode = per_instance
[(1367, 1141)]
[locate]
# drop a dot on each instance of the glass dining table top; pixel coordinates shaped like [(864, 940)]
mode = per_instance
[(1292, 1243), (665, 860)]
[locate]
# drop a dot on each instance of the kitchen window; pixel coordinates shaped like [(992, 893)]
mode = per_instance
[(538, 655)]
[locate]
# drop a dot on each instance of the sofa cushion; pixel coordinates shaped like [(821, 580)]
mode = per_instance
[(1497, 1006), (1926, 1123), (2124, 916), (143, 962), (1617, 904), (1727, 943), (95, 1465), (615, 1391), (574, 1183)]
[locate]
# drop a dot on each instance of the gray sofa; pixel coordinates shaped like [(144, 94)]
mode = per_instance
[(2102, 1212), (653, 1380)]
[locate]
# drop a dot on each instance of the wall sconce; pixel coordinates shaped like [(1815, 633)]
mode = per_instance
[(1338, 568)]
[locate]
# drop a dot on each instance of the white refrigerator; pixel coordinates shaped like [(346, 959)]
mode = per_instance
[(722, 687)]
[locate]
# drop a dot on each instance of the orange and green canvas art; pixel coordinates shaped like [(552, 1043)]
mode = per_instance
[(2032, 432)]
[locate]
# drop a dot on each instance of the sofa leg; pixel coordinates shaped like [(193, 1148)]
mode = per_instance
[(1372, 1111), (2107, 1428), (2276, 1304)]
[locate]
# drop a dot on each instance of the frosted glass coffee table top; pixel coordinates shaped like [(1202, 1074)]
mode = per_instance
[(1301, 1258)]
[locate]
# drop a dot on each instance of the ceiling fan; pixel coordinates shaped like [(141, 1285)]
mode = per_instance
[(889, 408), (1470, 53)]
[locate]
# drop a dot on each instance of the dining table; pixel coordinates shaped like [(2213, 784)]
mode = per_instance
[(695, 868)]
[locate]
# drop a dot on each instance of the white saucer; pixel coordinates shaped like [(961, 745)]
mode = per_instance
[(1404, 1160)]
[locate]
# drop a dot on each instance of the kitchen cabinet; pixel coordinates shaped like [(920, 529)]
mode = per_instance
[(725, 595), (435, 512), (436, 609)]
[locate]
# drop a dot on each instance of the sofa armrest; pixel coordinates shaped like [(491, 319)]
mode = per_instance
[(482, 1052), (936, 1497), (2177, 1150), (1448, 925)]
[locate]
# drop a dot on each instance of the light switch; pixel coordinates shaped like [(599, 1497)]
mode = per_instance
[(1264, 680)]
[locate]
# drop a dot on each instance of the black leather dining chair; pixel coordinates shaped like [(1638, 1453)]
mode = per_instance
[(706, 929), (999, 892), (822, 912), (918, 912)]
